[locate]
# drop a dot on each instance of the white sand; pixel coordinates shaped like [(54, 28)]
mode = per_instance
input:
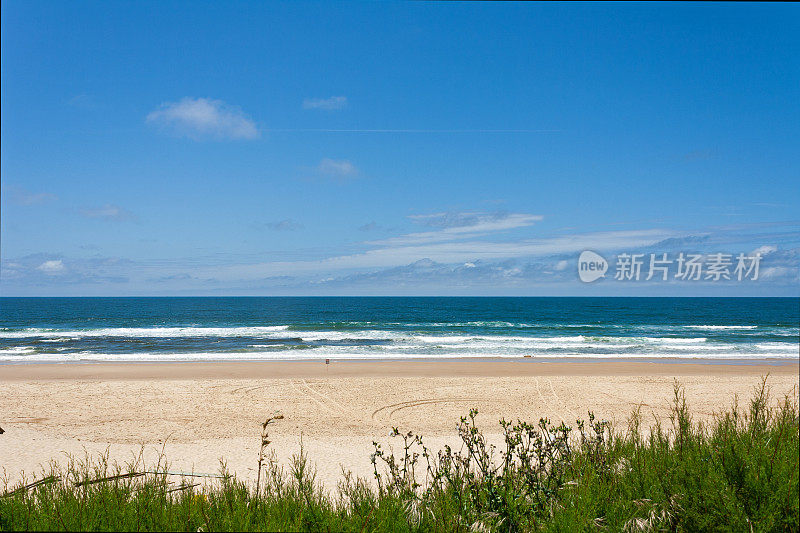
[(198, 413)]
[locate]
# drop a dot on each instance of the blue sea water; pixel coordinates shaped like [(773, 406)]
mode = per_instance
[(276, 328)]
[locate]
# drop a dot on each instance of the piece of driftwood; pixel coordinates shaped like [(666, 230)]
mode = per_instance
[(43, 481), (186, 474), (109, 478), (183, 487)]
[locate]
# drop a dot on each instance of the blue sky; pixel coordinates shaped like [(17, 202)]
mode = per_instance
[(393, 148)]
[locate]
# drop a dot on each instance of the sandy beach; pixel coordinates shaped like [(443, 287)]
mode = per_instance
[(198, 413)]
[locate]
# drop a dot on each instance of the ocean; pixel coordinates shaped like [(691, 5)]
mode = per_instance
[(283, 328)]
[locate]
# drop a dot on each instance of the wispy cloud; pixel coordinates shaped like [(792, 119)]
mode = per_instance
[(369, 226), (460, 226), (542, 269), (109, 212), (778, 269), (21, 196), (427, 273), (56, 270), (765, 249), (405, 130), (483, 264), (453, 220), (688, 242), (328, 104), (172, 277), (284, 225), (337, 168), (203, 118), (463, 251), (448, 252)]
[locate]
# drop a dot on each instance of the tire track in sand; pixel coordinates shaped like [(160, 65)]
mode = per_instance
[(324, 397), (553, 390), (310, 397), (424, 401), (545, 402)]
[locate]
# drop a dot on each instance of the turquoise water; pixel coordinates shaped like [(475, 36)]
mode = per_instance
[(180, 329)]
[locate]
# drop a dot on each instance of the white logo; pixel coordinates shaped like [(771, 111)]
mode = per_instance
[(591, 266)]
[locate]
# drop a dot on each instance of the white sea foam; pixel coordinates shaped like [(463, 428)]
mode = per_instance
[(286, 344), (721, 327), (17, 350), (674, 340), (780, 346), (146, 332)]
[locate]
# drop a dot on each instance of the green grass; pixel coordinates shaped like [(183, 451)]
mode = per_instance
[(738, 473)]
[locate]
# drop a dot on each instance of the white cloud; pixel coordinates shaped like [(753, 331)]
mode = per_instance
[(561, 265), (460, 226), (43, 269), (201, 118), (449, 252), (454, 220), (779, 273), (108, 212), (337, 168), (460, 251), (764, 250), (51, 267), (328, 104)]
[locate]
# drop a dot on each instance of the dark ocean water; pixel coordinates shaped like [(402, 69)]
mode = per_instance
[(178, 329)]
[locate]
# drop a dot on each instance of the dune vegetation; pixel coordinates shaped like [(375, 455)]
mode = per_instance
[(736, 473)]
